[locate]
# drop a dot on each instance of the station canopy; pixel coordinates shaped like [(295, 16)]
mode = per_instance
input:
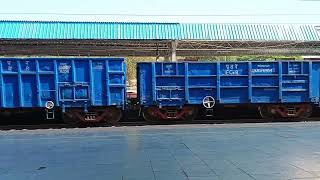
[(156, 39)]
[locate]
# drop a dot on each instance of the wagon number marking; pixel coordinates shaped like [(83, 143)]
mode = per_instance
[(232, 69)]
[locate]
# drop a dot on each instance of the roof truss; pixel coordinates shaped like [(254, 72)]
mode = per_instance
[(156, 48)]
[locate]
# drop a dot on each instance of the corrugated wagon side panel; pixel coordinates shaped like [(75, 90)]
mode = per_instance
[(29, 93), (82, 80), (1, 87), (169, 83), (46, 81), (315, 82), (145, 76), (70, 82), (10, 84), (265, 82), (295, 81), (95, 82), (234, 82), (65, 81), (202, 81), (116, 81), (9, 81), (22, 81), (99, 85), (176, 84)]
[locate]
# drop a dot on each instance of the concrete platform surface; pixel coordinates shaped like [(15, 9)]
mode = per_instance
[(177, 152)]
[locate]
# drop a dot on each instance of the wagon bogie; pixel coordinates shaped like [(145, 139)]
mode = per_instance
[(285, 111), (186, 113), (108, 115)]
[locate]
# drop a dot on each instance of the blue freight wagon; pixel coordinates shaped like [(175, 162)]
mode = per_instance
[(178, 90), (83, 89)]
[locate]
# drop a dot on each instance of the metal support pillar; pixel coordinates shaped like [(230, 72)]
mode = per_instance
[(174, 45)]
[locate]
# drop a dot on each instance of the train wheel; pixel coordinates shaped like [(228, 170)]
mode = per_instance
[(190, 113), (305, 111), (148, 115), (112, 115), (266, 112), (71, 117)]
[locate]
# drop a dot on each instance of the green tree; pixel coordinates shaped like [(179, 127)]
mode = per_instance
[(131, 63)]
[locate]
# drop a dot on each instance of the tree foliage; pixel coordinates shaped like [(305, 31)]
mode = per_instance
[(131, 63)]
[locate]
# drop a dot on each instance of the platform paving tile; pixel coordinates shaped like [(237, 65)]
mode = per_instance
[(280, 177), (170, 175), (225, 170), (192, 163), (160, 156), (139, 177), (270, 177), (274, 168), (241, 176), (18, 176), (165, 165), (78, 172), (3, 171), (198, 171), (189, 160), (308, 164), (316, 172)]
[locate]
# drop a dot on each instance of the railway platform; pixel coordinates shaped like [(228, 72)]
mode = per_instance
[(170, 152)]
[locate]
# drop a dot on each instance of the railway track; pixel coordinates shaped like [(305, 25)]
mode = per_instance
[(143, 123)]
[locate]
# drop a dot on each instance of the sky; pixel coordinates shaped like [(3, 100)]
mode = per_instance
[(183, 11)]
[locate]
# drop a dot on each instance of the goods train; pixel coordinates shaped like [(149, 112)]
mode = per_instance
[(93, 90)]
